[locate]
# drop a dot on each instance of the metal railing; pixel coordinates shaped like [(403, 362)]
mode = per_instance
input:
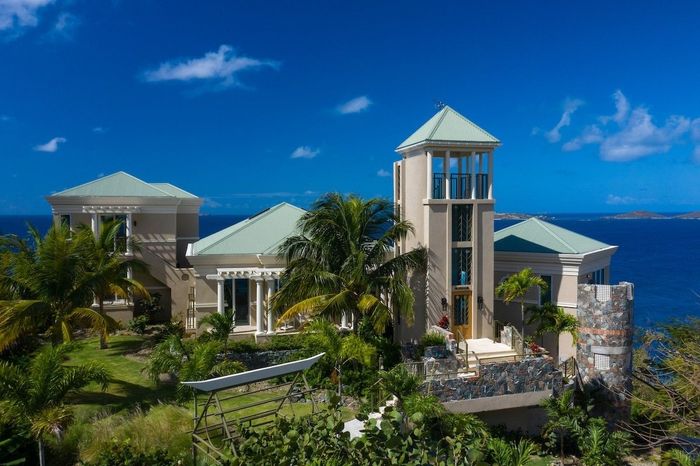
[(460, 185), (514, 340)]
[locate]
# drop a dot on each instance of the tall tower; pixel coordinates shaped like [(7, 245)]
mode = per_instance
[(443, 184)]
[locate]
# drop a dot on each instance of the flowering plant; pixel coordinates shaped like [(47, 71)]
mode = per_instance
[(444, 322)]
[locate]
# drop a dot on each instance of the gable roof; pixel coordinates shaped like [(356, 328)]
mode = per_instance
[(122, 184), (447, 125), (259, 234), (536, 236)]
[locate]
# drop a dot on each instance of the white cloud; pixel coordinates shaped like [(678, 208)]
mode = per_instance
[(221, 67), (19, 14), (613, 199), (590, 135), (622, 106), (695, 136), (305, 152), (570, 106), (51, 146), (5, 118), (99, 130), (211, 203), (639, 137), (634, 135), (64, 27), (383, 173), (356, 105)]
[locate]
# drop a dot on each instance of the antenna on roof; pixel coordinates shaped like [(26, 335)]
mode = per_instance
[(439, 104)]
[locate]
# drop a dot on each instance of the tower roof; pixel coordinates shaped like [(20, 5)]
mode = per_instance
[(259, 234), (122, 184), (536, 236), (448, 126)]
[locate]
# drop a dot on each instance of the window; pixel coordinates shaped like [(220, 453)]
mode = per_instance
[(398, 181), (602, 361), (546, 294), (461, 309), (461, 222), (596, 278), (120, 240), (65, 220), (461, 266)]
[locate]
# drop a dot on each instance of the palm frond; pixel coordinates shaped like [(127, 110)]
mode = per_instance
[(21, 317)]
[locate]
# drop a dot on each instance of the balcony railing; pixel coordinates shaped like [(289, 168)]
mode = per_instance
[(460, 186)]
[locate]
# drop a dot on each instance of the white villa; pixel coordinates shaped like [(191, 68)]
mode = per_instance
[(443, 184)]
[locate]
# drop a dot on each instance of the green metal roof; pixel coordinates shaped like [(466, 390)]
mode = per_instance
[(537, 236), (260, 234), (449, 126), (122, 184)]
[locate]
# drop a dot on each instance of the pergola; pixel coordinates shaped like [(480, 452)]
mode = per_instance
[(216, 426)]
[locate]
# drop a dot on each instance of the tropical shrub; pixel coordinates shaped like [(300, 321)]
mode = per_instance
[(431, 339), (600, 447), (189, 360), (503, 453), (320, 440), (138, 324), (399, 382), (220, 325)]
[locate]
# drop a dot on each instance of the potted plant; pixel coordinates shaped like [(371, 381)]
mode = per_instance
[(434, 346)]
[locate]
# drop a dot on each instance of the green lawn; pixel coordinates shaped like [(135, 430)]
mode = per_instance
[(129, 386)]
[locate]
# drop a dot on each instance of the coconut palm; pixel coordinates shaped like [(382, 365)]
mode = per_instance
[(323, 336), (222, 325), (34, 396), (515, 288), (108, 266), (49, 288), (343, 260), (550, 318)]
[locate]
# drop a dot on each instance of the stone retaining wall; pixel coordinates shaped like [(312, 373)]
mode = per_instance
[(502, 378), (261, 359)]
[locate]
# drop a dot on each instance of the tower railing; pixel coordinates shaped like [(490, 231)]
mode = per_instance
[(460, 185)]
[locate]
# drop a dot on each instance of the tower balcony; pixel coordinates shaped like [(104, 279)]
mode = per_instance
[(460, 186)]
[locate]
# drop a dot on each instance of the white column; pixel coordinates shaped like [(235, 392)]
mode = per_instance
[(490, 175), (270, 317), (472, 171), (429, 173), (446, 167), (93, 222), (259, 315), (220, 295), (129, 226), (344, 320), (233, 298)]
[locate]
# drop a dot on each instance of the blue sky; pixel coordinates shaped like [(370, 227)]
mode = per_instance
[(250, 103)]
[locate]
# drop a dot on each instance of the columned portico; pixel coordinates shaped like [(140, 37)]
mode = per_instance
[(264, 279)]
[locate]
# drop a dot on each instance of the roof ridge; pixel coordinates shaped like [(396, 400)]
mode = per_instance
[(145, 182), (176, 187), (472, 124), (444, 111), (545, 225), (247, 222)]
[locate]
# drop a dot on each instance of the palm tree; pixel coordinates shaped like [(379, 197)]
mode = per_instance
[(323, 336), (34, 396), (108, 266), (550, 318), (343, 260), (563, 418), (47, 287), (516, 286), (222, 325)]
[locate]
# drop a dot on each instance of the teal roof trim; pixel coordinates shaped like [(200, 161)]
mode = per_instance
[(122, 184), (447, 125), (537, 236), (260, 234)]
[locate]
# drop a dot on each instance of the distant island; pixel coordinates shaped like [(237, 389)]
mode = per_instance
[(645, 214), (516, 216)]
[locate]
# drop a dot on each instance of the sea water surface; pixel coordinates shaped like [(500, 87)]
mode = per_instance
[(661, 257)]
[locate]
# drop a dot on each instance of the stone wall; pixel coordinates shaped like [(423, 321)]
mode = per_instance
[(259, 359), (604, 348), (502, 378)]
